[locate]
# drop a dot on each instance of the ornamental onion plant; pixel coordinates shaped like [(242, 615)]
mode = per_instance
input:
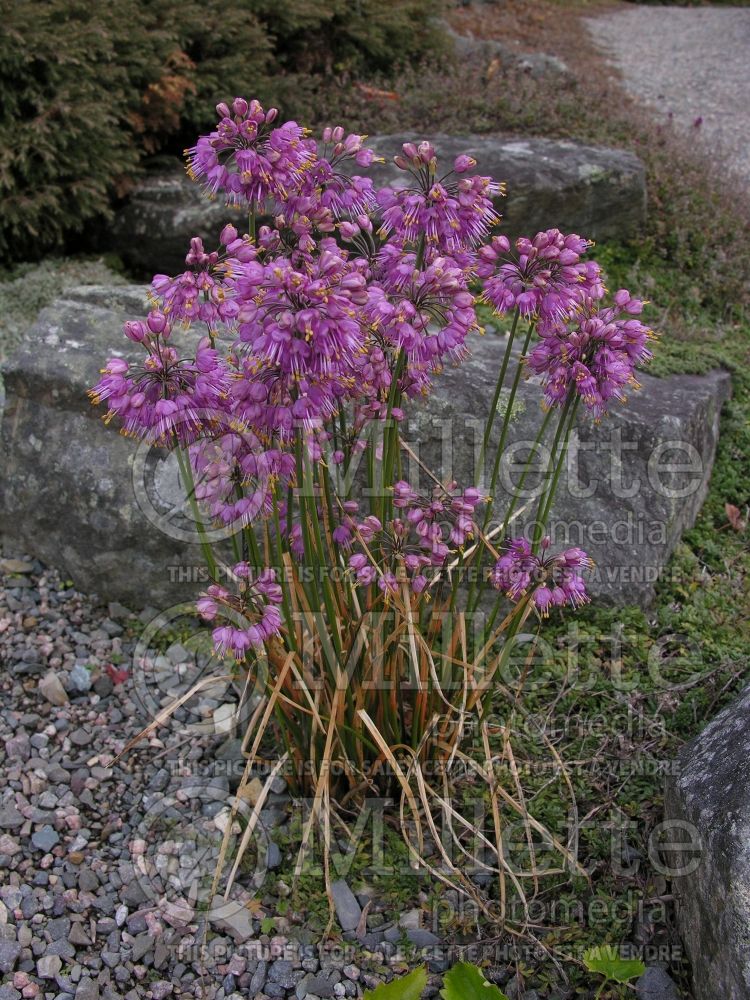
[(279, 366)]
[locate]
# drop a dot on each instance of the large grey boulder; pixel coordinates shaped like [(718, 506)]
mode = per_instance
[(631, 486), (153, 229), (70, 489), (597, 192), (111, 513), (707, 812)]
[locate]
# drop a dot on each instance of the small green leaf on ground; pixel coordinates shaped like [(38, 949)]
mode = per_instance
[(466, 982), (605, 959), (408, 987)]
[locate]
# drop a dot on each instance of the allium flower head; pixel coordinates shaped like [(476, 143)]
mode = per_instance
[(597, 352), (251, 614), (428, 313), (544, 277), (552, 581), (303, 321), (235, 476), (454, 212), (206, 292), (329, 186), (167, 399), (248, 158), (427, 532)]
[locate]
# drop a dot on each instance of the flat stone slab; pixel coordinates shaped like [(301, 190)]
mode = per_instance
[(110, 512), (707, 808), (597, 192)]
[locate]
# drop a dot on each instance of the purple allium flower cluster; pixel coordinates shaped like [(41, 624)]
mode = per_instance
[(552, 580), (543, 278), (166, 399), (328, 192), (452, 212), (447, 511), (304, 321), (252, 615), (247, 158), (205, 293), (596, 352), (429, 531), (236, 474), (426, 312)]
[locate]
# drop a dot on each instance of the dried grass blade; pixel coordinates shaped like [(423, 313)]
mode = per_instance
[(165, 713)]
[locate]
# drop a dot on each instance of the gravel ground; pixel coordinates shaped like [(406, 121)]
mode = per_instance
[(105, 868), (691, 63)]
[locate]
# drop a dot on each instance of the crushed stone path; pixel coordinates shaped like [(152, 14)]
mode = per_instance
[(106, 864), (690, 63)]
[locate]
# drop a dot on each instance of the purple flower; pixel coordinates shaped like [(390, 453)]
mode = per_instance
[(206, 292), (247, 158), (596, 353), (166, 399), (252, 614), (453, 212), (428, 313), (543, 277), (236, 475), (552, 581), (428, 531)]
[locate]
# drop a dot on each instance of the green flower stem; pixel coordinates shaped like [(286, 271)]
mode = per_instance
[(183, 460), (526, 469), (477, 584), (311, 587), (256, 559), (391, 441), (496, 397), (315, 550), (554, 467), (322, 564), (276, 543), (421, 247)]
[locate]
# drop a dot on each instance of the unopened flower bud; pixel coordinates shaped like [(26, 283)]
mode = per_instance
[(348, 230), (135, 330), (239, 106), (228, 235), (222, 110), (156, 321)]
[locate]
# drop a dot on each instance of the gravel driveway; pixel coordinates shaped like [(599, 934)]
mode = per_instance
[(693, 63)]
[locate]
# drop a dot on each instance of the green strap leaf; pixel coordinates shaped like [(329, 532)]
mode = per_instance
[(466, 982), (408, 987), (605, 959)]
